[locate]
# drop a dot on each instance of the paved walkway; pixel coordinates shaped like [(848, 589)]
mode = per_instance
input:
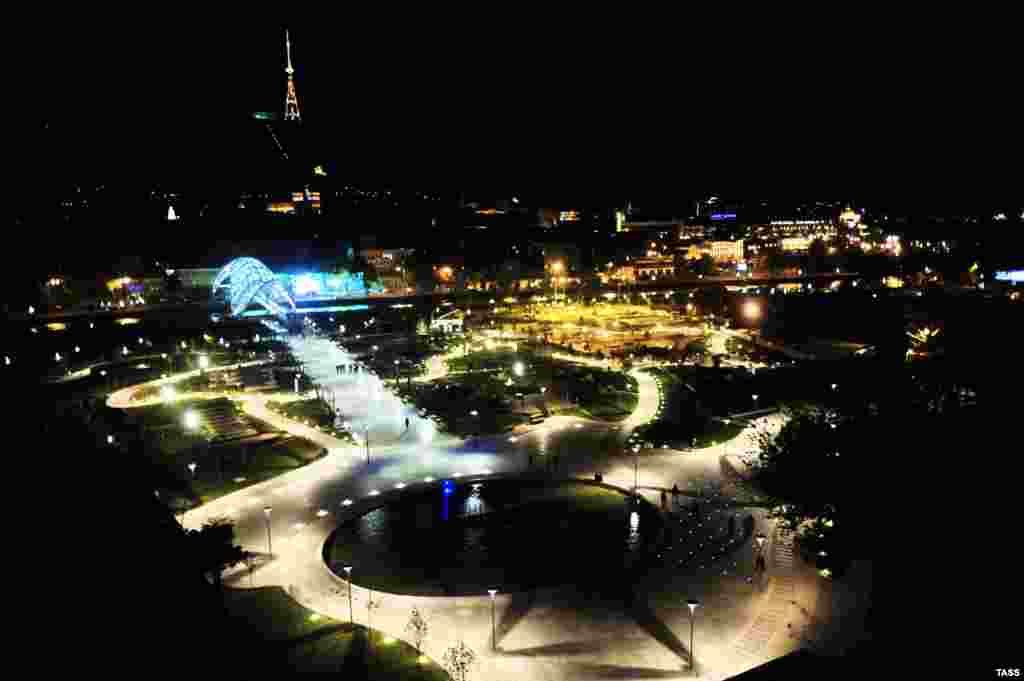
[(551, 634)]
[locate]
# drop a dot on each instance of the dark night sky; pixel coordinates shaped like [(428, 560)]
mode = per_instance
[(455, 101)]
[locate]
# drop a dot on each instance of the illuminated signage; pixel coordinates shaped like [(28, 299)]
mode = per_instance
[(723, 216), (741, 267), (1016, 276)]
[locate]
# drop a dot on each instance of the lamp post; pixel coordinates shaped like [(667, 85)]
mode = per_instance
[(348, 575), (366, 431), (266, 513), (494, 640), (636, 469), (692, 604)]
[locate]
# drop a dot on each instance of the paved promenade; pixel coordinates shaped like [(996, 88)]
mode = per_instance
[(549, 634)]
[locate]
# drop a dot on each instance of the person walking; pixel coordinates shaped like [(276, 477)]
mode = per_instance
[(664, 500), (732, 526)]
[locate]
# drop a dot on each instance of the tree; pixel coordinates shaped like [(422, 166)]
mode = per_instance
[(417, 628), (458, 659), (214, 549), (776, 263), (706, 266)]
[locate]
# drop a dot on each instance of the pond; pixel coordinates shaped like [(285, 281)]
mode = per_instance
[(506, 534)]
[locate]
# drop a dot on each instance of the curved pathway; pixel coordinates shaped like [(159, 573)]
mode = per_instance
[(556, 635)]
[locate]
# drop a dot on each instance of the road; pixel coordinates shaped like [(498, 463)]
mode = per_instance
[(555, 636)]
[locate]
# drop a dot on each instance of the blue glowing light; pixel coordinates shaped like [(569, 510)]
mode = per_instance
[(1015, 276), (448, 487), (723, 216), (305, 284)]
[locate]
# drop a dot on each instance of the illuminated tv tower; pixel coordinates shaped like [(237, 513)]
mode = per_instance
[(291, 102)]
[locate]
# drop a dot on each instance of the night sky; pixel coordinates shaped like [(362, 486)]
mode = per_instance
[(459, 102)]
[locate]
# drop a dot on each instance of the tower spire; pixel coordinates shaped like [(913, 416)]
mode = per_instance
[(291, 101)]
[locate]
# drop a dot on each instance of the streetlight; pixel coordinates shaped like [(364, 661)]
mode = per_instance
[(348, 575), (755, 401), (191, 420), (266, 512), (636, 469), (494, 639), (396, 371), (204, 361), (692, 604)]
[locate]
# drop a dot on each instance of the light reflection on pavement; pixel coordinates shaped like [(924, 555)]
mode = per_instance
[(298, 530)]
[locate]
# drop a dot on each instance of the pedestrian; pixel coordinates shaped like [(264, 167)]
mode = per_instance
[(531, 460), (664, 499), (760, 565), (732, 526), (407, 423)]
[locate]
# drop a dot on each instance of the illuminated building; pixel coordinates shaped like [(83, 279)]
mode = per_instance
[(569, 216), (720, 251), (792, 244), (726, 250)]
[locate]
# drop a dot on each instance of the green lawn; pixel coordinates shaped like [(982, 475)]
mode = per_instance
[(312, 410), (169, 446), (306, 642), (600, 394), (680, 434)]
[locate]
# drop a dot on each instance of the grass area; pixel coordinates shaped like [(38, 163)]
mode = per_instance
[(221, 468), (493, 538), (312, 412), (594, 393), (697, 432), (303, 641)]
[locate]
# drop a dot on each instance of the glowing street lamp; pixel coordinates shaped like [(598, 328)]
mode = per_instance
[(266, 512), (204, 361), (494, 641), (348, 576), (518, 368), (191, 420), (692, 604), (192, 469), (636, 469)]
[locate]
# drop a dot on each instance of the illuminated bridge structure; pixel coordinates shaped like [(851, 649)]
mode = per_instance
[(248, 281)]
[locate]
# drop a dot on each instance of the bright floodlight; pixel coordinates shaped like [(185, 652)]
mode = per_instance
[(110, 439), (191, 420), (518, 368), (692, 604), (167, 392), (493, 592), (204, 361)]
